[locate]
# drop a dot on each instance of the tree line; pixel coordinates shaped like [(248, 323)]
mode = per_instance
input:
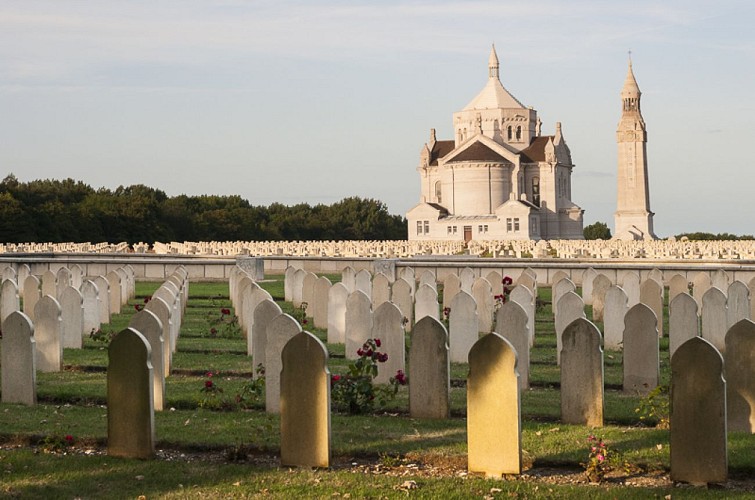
[(72, 211)]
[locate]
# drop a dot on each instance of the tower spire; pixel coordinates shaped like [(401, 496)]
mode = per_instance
[(493, 64)]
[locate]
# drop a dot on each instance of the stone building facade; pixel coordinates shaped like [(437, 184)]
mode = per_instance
[(499, 178)]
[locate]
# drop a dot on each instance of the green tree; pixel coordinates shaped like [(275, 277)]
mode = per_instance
[(597, 231)]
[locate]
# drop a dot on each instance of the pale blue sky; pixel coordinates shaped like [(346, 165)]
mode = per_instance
[(315, 101)]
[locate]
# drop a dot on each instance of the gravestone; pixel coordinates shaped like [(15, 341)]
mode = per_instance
[(698, 414), (739, 363), (243, 293), (582, 375), (114, 280), (386, 326), (9, 301), (363, 282), (298, 285), (523, 296), (49, 284), (381, 290), (494, 423), (513, 325), (321, 294), (425, 303), (677, 284), (683, 321), (349, 278), (62, 281), (562, 287), (656, 275), (288, 284), (651, 294), (130, 410), (451, 286), (280, 330), (308, 294), (496, 282), (720, 280), (31, 295), (9, 273), (401, 295), (147, 323), (466, 279), (48, 334), (305, 403), (358, 322), (18, 373), (428, 278), (616, 307), (737, 303), (482, 293), (631, 286), (600, 286), (700, 285), (587, 280), (386, 267), (462, 326), (751, 287), (408, 274), (265, 312), (90, 300), (104, 290), (23, 271), (77, 276), (429, 370), (714, 318), (163, 313), (570, 308), (72, 316), (337, 296), (558, 276), (641, 351), (125, 287), (528, 278)]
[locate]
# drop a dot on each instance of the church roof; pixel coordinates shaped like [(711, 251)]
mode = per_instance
[(494, 96), (535, 152), (478, 152), (440, 149)]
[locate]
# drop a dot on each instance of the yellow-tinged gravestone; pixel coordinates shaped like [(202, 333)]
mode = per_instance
[(305, 403), (494, 430), (739, 363), (130, 410)]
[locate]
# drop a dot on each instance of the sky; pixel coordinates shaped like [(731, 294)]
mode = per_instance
[(315, 101)]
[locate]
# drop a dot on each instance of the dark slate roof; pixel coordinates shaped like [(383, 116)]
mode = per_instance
[(439, 207), (535, 152), (440, 149), (479, 152)]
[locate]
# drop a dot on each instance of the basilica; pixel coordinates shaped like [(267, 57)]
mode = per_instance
[(499, 178)]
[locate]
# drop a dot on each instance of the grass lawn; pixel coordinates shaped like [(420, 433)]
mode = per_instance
[(205, 452)]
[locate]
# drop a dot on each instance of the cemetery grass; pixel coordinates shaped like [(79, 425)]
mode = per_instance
[(196, 442)]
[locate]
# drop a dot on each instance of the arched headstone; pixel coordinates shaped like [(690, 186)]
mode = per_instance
[(451, 286), (337, 296), (698, 414), (266, 311), (358, 322), (641, 350), (18, 374), (494, 424), (714, 318), (582, 375), (48, 334), (72, 315), (570, 307), (401, 295), (148, 324), (305, 403), (651, 294), (280, 330), (683, 321), (462, 326), (616, 307), (513, 325), (429, 370), (740, 376), (386, 326), (130, 410)]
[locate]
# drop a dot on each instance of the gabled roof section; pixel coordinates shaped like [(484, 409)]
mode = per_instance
[(482, 148), (535, 152), (440, 149), (478, 151)]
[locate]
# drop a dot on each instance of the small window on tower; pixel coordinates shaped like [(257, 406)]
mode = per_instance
[(519, 133), (419, 227), (516, 224), (427, 227), (438, 193), (508, 132), (509, 225)]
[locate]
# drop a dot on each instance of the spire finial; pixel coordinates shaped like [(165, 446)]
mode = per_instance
[(493, 64)]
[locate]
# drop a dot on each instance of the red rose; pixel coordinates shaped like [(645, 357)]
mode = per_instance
[(208, 383), (377, 342)]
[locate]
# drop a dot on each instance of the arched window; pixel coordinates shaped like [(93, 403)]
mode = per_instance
[(508, 132), (438, 197), (519, 133), (536, 191)]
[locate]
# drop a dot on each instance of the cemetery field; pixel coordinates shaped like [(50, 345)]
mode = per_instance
[(224, 444)]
